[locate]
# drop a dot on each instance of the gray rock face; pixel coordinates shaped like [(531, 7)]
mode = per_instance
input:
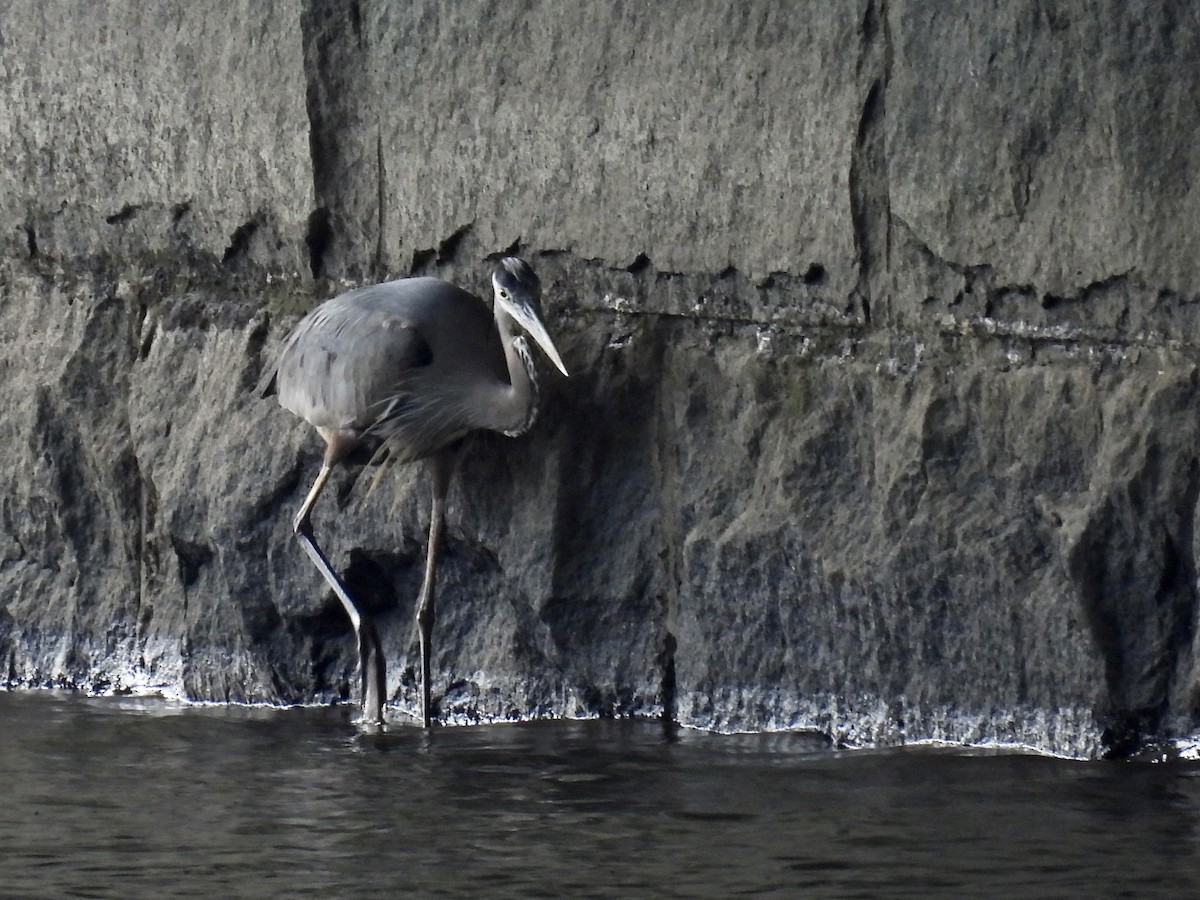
[(880, 317)]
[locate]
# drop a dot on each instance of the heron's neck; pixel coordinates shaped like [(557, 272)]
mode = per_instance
[(519, 405)]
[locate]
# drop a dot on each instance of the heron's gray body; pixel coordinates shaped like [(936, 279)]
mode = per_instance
[(409, 367), (417, 359)]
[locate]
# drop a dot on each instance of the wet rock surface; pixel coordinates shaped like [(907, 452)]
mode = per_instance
[(880, 319)]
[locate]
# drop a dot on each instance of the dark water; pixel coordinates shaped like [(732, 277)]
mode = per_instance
[(123, 798)]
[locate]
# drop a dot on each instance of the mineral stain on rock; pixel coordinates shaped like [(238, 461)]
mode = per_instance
[(881, 319)]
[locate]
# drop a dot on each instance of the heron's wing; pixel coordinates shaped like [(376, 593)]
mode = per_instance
[(340, 367)]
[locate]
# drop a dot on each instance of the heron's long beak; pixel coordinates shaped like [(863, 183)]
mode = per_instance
[(528, 319)]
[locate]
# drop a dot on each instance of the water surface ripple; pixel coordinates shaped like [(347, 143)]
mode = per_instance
[(121, 798)]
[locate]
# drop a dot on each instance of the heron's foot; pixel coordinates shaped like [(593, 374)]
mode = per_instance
[(370, 725), (372, 708), (374, 672)]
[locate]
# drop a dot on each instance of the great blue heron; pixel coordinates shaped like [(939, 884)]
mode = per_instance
[(409, 367)]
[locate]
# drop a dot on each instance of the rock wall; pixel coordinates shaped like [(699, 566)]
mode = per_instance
[(880, 316)]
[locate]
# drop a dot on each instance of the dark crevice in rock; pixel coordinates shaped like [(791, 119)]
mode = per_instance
[(124, 214), (368, 579), (192, 557), (865, 203), (239, 241), (1183, 591), (31, 246), (815, 275), (422, 261), (380, 191), (323, 23), (329, 639), (640, 265), (263, 625), (11, 679), (1135, 577), (670, 526), (356, 25), (870, 203), (513, 249), (448, 249), (317, 239), (869, 32), (666, 662), (426, 261), (149, 559), (1089, 292)]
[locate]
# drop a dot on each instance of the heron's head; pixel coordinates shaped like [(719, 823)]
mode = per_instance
[(519, 293)]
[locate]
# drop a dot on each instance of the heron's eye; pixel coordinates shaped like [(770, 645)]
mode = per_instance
[(503, 294)]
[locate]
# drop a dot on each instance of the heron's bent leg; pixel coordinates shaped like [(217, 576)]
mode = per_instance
[(441, 468), (302, 526), (370, 649), (301, 523)]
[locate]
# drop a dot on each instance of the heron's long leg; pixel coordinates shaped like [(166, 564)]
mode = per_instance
[(370, 650), (441, 468)]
